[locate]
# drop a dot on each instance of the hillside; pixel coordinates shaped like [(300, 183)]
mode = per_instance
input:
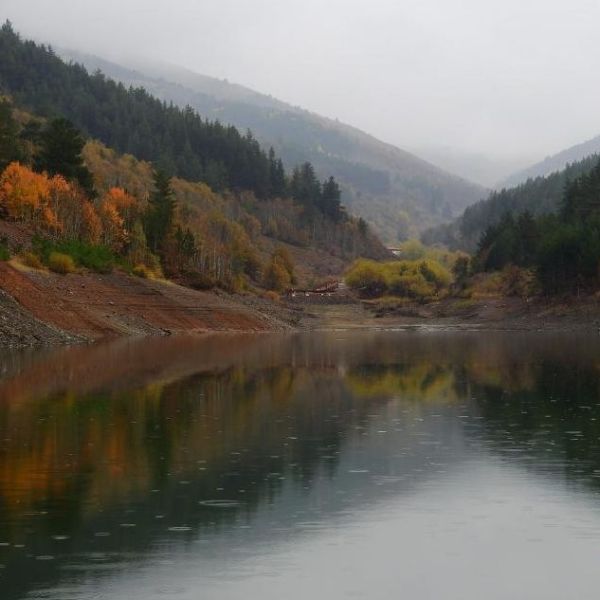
[(539, 196), (201, 206), (268, 224), (556, 162), (397, 192), (295, 206), (90, 308)]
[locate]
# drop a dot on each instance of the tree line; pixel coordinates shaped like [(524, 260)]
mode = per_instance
[(563, 248), (538, 196), (178, 141), (89, 207)]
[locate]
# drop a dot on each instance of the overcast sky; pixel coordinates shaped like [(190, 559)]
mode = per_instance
[(502, 77)]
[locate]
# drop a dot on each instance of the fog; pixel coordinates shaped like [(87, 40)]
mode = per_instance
[(509, 79)]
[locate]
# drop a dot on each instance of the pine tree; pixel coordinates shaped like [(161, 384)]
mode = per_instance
[(10, 145), (160, 215), (331, 200), (278, 181), (60, 150), (305, 187)]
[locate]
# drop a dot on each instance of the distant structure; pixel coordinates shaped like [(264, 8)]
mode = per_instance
[(330, 293)]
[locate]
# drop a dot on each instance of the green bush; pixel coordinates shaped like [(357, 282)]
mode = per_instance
[(61, 263), (96, 258)]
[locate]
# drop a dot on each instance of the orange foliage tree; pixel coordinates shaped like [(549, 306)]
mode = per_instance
[(116, 211), (50, 204)]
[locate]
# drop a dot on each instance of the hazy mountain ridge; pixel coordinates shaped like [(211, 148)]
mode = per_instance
[(398, 192), (555, 162), (482, 168)]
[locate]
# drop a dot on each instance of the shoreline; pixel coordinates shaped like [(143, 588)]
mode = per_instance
[(41, 309)]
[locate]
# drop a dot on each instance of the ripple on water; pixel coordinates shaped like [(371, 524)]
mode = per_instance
[(220, 503)]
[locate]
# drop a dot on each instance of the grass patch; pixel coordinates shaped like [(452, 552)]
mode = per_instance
[(464, 304)]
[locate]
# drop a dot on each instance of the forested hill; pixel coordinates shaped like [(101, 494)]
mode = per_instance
[(556, 162), (132, 121), (396, 191), (97, 206), (539, 196)]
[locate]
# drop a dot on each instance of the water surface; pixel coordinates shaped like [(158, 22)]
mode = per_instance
[(338, 465)]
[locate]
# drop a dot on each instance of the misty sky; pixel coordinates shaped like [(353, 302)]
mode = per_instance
[(503, 77)]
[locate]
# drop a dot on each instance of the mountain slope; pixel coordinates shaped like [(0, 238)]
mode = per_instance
[(556, 162), (539, 196), (396, 191)]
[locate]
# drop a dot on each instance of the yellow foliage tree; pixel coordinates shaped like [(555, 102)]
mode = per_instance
[(116, 211)]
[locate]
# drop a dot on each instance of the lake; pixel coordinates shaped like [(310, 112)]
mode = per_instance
[(376, 465)]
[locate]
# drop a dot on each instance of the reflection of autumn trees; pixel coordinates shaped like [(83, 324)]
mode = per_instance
[(422, 382), (232, 416), (224, 430)]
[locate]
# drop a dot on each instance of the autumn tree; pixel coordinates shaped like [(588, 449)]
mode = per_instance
[(116, 211), (279, 273), (23, 193), (51, 204)]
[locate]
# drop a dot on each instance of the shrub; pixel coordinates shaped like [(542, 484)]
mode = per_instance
[(486, 285), (518, 281), (61, 263), (461, 269), (91, 256), (416, 279), (32, 260), (271, 296), (142, 271), (282, 255), (4, 250), (276, 276), (367, 277), (233, 283), (202, 281), (435, 274)]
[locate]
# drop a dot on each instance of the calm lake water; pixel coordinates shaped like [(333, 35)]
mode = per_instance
[(376, 465)]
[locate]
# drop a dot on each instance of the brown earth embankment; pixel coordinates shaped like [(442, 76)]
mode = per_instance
[(44, 307)]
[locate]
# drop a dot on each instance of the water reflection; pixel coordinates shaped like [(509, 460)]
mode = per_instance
[(158, 468)]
